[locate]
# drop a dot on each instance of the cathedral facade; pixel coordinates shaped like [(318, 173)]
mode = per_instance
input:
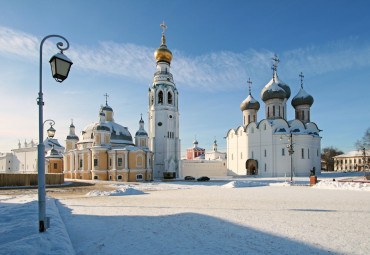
[(106, 151), (163, 114), (275, 146)]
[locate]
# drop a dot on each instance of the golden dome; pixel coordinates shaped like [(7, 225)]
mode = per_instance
[(162, 53)]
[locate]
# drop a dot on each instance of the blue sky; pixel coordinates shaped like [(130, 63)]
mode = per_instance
[(216, 45)]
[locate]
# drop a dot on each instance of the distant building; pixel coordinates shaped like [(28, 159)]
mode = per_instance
[(351, 161), (215, 154), (264, 148), (195, 152), (24, 158)]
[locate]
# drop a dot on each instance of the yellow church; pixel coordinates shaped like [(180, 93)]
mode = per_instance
[(105, 151)]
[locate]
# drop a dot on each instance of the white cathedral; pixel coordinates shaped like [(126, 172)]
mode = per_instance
[(275, 146)]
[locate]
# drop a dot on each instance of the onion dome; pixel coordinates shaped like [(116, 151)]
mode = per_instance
[(195, 143), (272, 90), (250, 104), (141, 131), (162, 53), (53, 153), (72, 135), (102, 127), (302, 98), (106, 108)]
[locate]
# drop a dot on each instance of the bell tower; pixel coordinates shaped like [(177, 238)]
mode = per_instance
[(164, 116)]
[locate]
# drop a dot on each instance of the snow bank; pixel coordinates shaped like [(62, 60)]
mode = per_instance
[(157, 186), (329, 184), (243, 184), (19, 232), (118, 192)]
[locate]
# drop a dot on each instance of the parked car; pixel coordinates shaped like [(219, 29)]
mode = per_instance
[(203, 179), (189, 178)]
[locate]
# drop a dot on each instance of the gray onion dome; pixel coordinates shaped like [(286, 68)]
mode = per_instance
[(250, 104), (272, 90), (283, 85), (302, 98)]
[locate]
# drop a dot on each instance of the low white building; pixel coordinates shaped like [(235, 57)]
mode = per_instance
[(351, 161), (6, 162), (275, 147)]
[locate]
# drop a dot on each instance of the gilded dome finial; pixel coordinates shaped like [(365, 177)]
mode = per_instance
[(163, 37)]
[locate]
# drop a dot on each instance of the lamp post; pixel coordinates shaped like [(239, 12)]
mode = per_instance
[(60, 66), (291, 152)]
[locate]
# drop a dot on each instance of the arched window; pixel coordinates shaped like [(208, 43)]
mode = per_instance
[(268, 111), (119, 177), (160, 97), (249, 119), (279, 110), (273, 111), (169, 98), (302, 115)]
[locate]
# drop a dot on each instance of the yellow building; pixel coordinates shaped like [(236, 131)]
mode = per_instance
[(105, 151)]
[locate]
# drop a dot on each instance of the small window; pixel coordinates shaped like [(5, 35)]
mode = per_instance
[(160, 97), (159, 123), (355, 161), (283, 152), (249, 119), (302, 153), (96, 177), (95, 162), (119, 162), (169, 98), (308, 153), (81, 163), (265, 167), (252, 154), (110, 162), (119, 177), (110, 177), (273, 110), (55, 165), (139, 177), (265, 153)]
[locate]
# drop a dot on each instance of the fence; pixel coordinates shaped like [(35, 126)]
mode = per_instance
[(22, 179)]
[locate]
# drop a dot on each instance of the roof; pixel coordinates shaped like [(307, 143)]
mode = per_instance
[(351, 154)]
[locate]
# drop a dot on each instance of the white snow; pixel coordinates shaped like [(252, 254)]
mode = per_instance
[(224, 216)]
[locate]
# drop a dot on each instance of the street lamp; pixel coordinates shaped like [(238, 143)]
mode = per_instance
[(60, 66), (291, 151), (51, 131)]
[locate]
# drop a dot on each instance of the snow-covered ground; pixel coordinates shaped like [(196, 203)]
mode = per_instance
[(226, 216)]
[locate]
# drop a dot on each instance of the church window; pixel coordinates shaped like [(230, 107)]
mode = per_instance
[(96, 177), (265, 153), (268, 111), (279, 110), (119, 161), (283, 152), (139, 177), (119, 177), (302, 115), (249, 119), (110, 162), (160, 97), (159, 123), (169, 98), (265, 167), (80, 163), (359, 161), (308, 153), (95, 162), (345, 161), (283, 112), (152, 100), (317, 152), (254, 118), (302, 150), (273, 110), (110, 177), (55, 165), (170, 116), (355, 161)]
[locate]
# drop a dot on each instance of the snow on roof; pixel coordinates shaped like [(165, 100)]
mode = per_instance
[(350, 154)]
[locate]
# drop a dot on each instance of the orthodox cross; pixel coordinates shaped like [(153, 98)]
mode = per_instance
[(163, 26), (106, 98), (250, 83), (274, 66), (301, 75)]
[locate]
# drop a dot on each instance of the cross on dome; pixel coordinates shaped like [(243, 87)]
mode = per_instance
[(274, 66), (302, 76), (163, 26), (250, 83), (106, 98)]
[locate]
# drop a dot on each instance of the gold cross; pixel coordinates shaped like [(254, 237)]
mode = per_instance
[(106, 98), (163, 26)]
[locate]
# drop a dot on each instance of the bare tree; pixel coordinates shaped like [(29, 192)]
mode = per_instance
[(364, 142), (328, 154)]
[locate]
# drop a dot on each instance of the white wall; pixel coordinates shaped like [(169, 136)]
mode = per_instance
[(198, 168)]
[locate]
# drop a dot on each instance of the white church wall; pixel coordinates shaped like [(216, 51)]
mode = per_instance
[(198, 168)]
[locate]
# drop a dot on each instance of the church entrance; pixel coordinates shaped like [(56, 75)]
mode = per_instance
[(252, 167)]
